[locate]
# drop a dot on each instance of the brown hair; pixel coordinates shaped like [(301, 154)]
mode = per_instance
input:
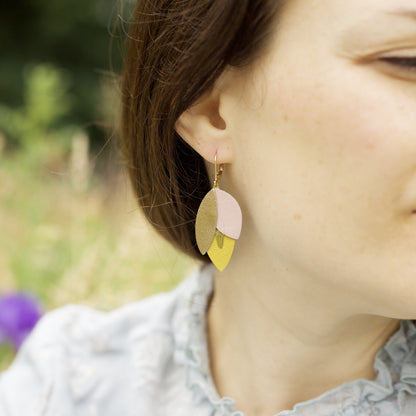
[(176, 51)]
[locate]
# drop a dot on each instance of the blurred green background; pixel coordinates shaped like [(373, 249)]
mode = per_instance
[(70, 229)]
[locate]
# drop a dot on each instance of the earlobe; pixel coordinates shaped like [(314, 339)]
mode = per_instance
[(203, 128)]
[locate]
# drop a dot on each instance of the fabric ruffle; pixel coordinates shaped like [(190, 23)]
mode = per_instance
[(392, 393)]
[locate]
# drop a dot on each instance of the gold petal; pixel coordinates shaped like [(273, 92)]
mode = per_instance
[(221, 256), (206, 222)]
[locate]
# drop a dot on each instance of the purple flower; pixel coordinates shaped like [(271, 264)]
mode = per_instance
[(19, 313)]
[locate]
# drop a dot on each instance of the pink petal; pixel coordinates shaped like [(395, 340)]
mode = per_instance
[(229, 216)]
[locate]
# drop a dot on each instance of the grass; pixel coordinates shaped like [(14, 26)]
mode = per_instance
[(90, 247)]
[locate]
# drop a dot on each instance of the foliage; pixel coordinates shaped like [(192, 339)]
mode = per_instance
[(74, 35), (70, 232), (46, 101)]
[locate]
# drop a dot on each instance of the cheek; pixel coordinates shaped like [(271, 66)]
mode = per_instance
[(329, 178), (353, 143)]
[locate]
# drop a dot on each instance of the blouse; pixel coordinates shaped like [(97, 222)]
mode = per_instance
[(150, 358)]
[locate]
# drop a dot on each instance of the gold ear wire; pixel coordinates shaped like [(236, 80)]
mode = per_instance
[(217, 173)]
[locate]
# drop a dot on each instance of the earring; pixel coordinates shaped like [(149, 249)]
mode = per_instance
[(218, 223)]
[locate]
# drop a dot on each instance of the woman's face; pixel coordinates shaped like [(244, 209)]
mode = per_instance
[(324, 150)]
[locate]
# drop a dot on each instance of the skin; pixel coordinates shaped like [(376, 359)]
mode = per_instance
[(319, 144)]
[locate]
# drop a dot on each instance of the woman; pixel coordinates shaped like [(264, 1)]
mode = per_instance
[(310, 106)]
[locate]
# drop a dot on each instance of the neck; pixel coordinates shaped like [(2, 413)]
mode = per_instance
[(273, 343)]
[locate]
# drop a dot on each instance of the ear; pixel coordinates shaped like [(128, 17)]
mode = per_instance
[(205, 130)]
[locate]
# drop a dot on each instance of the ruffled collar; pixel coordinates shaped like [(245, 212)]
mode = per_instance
[(394, 363)]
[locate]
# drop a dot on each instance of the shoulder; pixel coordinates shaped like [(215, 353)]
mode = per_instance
[(77, 354), (76, 325)]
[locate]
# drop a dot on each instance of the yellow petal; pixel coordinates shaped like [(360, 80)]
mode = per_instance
[(221, 256)]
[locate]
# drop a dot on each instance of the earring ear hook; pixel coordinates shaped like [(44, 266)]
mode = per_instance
[(217, 173)]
